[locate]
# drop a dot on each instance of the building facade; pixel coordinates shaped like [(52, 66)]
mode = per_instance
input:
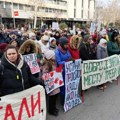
[(21, 11)]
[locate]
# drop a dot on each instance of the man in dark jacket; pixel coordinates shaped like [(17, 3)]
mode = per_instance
[(87, 52)]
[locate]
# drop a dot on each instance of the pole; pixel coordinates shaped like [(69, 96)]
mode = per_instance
[(13, 15)]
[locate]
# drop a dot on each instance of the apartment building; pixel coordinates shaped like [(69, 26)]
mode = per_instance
[(21, 11)]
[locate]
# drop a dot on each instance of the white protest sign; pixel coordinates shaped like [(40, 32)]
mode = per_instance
[(55, 25), (72, 79), (31, 59), (52, 81), (97, 72), (92, 27), (29, 104)]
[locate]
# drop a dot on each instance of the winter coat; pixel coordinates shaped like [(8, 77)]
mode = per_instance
[(74, 51), (26, 43), (112, 48), (61, 58), (101, 52), (15, 78), (87, 52)]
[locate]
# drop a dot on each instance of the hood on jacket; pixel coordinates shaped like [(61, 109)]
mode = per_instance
[(73, 41), (25, 44), (10, 65)]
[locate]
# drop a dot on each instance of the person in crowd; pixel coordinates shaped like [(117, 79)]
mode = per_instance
[(2, 49), (62, 55), (44, 43), (52, 44), (15, 73), (102, 53), (14, 43), (49, 66), (73, 47), (28, 47), (112, 45), (2, 37), (39, 55), (118, 40), (87, 52), (57, 36)]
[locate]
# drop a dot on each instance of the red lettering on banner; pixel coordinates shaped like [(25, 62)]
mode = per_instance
[(35, 104), (9, 113), (24, 105)]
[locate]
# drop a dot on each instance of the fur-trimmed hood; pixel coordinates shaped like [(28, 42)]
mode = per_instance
[(26, 43), (72, 41)]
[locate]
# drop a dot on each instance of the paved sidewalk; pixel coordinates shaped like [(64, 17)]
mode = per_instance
[(98, 105)]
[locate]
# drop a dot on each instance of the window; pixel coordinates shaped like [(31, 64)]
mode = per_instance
[(20, 6), (15, 5), (7, 5)]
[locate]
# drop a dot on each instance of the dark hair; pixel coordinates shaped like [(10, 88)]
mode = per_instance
[(11, 47)]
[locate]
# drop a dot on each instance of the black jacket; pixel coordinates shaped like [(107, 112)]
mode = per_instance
[(15, 78)]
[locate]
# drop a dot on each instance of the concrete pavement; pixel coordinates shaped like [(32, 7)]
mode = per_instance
[(98, 105)]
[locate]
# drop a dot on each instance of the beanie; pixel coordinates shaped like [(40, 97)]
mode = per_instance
[(63, 41), (31, 34), (3, 46), (86, 37), (49, 54), (51, 39), (102, 41)]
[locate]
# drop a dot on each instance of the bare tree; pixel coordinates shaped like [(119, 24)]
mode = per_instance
[(110, 13), (38, 4)]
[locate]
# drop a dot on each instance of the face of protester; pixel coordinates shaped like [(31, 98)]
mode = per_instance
[(53, 42), (65, 46), (14, 43), (12, 55), (27, 49), (104, 44)]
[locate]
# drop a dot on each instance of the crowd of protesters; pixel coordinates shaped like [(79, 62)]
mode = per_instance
[(53, 48)]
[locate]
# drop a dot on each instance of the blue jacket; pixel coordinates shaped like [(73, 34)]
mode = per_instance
[(61, 58)]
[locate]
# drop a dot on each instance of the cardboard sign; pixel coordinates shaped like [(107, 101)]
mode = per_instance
[(29, 104), (97, 72), (52, 81), (72, 78), (31, 59)]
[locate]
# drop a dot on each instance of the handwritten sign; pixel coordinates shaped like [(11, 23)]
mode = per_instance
[(31, 59), (52, 81), (72, 78), (97, 72), (26, 105)]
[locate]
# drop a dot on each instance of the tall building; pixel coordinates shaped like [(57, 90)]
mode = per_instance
[(21, 11)]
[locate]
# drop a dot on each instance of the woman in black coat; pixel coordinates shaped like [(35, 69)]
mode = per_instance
[(15, 74)]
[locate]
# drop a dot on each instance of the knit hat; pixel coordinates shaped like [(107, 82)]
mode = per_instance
[(3, 46), (48, 54), (102, 41), (86, 38), (63, 41), (45, 38), (51, 39), (31, 34)]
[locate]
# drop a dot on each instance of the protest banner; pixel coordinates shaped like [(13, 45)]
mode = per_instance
[(52, 80), (97, 72), (72, 79), (29, 104), (31, 59)]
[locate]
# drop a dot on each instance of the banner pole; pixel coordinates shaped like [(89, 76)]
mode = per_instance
[(117, 81), (83, 96)]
